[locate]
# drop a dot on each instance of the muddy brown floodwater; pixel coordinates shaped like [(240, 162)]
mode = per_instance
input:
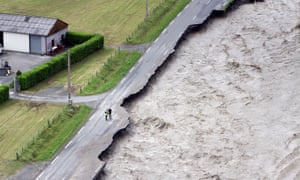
[(226, 106)]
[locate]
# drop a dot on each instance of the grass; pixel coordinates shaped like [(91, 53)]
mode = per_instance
[(159, 18), (20, 121), (112, 72), (115, 19), (24, 128), (52, 138), (226, 6), (8, 167), (80, 73)]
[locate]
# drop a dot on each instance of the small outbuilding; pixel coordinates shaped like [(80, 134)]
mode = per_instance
[(31, 34)]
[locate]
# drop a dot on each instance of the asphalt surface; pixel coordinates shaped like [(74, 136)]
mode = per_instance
[(20, 61), (79, 158)]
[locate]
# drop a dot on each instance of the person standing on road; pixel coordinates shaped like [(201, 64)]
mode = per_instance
[(106, 115), (109, 113)]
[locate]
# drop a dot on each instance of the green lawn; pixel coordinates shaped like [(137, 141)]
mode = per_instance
[(20, 122), (160, 18), (52, 138), (112, 72), (115, 19)]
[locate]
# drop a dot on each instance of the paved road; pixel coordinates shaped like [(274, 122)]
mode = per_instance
[(78, 159)]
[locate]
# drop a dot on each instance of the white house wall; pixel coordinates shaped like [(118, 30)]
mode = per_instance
[(16, 42), (57, 38)]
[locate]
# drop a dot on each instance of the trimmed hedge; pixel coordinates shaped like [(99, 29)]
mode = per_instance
[(73, 38), (60, 62), (4, 93)]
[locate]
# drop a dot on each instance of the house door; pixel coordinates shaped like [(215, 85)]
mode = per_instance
[(35, 44), (1, 39)]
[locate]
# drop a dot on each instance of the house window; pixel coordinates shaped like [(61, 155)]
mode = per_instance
[(52, 43)]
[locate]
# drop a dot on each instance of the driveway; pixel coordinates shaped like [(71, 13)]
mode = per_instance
[(20, 61)]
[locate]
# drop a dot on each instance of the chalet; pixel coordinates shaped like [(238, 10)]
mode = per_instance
[(31, 34)]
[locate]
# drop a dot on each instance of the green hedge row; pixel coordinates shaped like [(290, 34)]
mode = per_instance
[(59, 62), (73, 38), (4, 93)]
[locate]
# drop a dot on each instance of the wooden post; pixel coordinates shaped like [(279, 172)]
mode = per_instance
[(69, 82), (146, 17)]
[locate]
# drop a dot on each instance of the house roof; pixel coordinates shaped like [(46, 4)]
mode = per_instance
[(30, 24)]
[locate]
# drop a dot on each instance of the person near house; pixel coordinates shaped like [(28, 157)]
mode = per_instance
[(8, 68)]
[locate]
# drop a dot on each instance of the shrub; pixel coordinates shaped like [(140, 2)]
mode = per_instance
[(18, 73), (81, 51), (73, 38), (4, 93)]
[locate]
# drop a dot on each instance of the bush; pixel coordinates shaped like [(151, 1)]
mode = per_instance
[(73, 38), (18, 73), (81, 51), (60, 62), (4, 93)]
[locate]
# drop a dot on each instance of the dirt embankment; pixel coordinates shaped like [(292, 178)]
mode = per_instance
[(225, 107)]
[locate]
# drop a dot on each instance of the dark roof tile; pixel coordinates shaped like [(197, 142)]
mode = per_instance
[(26, 24)]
